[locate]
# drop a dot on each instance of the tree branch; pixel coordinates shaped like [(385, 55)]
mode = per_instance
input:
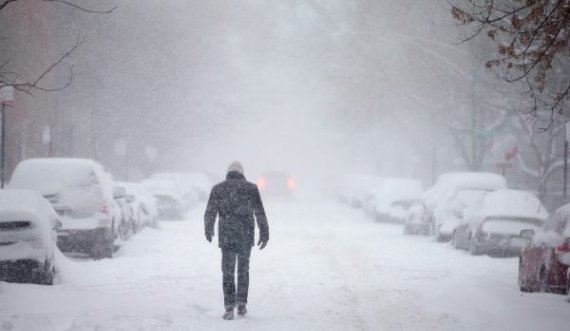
[(92, 11), (6, 3)]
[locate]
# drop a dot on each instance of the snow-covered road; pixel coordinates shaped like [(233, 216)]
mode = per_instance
[(327, 267)]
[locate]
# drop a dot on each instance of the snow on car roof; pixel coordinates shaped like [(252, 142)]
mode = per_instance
[(15, 204), (448, 184), (512, 203), (159, 186), (49, 176)]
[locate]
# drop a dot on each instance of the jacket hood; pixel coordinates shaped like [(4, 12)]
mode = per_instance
[(234, 175), (236, 166)]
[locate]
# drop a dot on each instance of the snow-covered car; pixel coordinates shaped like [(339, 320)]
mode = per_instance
[(417, 221), (184, 185), (200, 183), (81, 193), (544, 263), (276, 184), (28, 237), (421, 212), (493, 224), (143, 205), (169, 206), (357, 189), (420, 220), (169, 203), (125, 222), (391, 201), (459, 191)]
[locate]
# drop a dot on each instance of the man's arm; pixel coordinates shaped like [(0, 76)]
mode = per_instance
[(261, 219), (210, 215)]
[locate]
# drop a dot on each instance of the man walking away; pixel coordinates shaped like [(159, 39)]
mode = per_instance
[(236, 201)]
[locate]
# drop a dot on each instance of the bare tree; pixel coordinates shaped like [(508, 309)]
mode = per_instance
[(532, 39), (9, 77)]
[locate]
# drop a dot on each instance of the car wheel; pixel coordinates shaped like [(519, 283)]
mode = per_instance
[(425, 230), (568, 285), (124, 230), (454, 242), (474, 248), (543, 281), (44, 274), (522, 285), (49, 275), (440, 238), (104, 246)]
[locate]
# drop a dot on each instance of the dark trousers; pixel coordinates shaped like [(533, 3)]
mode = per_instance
[(229, 260)]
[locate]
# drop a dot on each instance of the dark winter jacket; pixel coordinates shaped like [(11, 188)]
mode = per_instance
[(236, 201)]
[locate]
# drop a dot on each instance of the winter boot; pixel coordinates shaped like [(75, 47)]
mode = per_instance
[(242, 311), (229, 314)]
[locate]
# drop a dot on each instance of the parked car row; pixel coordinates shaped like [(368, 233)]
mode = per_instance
[(476, 212), (76, 206), (384, 199)]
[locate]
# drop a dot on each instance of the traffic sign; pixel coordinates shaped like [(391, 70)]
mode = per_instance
[(6, 95)]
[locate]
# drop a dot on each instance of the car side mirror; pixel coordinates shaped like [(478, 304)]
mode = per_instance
[(527, 234), (130, 198), (119, 193)]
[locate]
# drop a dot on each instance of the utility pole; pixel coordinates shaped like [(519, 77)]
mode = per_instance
[(6, 98), (566, 162), (3, 156)]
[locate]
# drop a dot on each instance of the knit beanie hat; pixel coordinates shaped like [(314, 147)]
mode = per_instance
[(236, 166)]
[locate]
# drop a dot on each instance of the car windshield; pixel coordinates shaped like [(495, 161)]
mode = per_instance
[(510, 225)]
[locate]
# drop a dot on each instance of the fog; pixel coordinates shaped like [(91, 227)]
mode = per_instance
[(318, 96), (314, 88), (302, 86)]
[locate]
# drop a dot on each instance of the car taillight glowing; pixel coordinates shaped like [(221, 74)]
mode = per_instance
[(291, 183), (261, 183), (104, 209)]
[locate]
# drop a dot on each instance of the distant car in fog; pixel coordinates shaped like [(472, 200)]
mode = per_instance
[(169, 203), (169, 206), (357, 189), (143, 204), (417, 221), (391, 201), (28, 237), (189, 187), (276, 184), (126, 223), (544, 262), (81, 192), (493, 224)]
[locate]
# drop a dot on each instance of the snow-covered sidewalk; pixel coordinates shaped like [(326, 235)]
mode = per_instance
[(326, 267)]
